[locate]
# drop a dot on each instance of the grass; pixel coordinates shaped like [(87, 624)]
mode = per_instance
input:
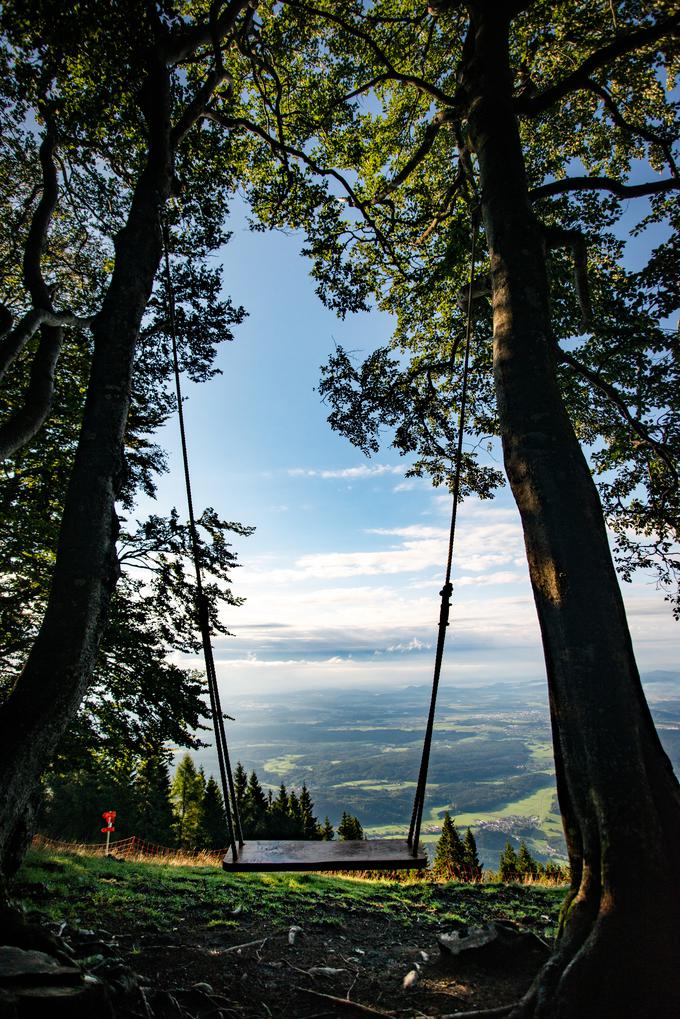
[(282, 765), (380, 785), (541, 753), (536, 805), (93, 891)]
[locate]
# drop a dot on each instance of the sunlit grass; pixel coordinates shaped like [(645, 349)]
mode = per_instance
[(165, 896)]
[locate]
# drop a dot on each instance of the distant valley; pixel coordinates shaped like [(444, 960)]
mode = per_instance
[(359, 751)]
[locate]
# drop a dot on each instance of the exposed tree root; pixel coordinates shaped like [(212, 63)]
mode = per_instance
[(345, 1002)]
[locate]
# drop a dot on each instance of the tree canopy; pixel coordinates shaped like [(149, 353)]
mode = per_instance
[(367, 150), (390, 133)]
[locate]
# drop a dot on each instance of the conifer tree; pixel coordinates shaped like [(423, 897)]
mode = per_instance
[(240, 784), (74, 800), (254, 814), (311, 830), (187, 792), (508, 864), (280, 823), (449, 857), (527, 867), (327, 830), (295, 815), (214, 833), (350, 828), (280, 804), (554, 872), (155, 819), (471, 865)]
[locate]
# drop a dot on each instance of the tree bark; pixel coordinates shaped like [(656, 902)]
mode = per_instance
[(54, 679), (618, 952)]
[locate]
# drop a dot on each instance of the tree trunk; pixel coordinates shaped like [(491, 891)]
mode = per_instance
[(619, 947), (52, 684)]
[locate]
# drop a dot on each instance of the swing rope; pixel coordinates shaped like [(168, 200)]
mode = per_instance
[(447, 590), (234, 829)]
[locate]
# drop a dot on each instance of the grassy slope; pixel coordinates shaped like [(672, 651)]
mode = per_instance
[(91, 891)]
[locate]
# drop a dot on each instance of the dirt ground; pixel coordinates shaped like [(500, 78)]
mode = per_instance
[(188, 943), (258, 972)]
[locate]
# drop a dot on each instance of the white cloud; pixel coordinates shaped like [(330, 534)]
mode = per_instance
[(381, 603), (412, 531), (351, 473), (489, 579), (412, 645)]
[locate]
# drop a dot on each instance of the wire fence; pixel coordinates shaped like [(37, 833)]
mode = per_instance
[(130, 848)]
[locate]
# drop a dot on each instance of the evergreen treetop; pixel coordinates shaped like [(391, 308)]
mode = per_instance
[(449, 859)]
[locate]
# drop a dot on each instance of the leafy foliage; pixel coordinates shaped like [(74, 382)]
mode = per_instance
[(75, 130), (137, 787), (367, 152)]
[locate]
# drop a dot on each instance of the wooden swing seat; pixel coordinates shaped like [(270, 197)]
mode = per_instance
[(289, 854)]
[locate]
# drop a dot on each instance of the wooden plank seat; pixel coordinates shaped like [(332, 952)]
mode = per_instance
[(289, 854)]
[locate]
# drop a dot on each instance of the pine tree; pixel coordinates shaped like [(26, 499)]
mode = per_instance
[(254, 814), (240, 785), (214, 833), (471, 864), (279, 821), (280, 804), (327, 831), (153, 800), (527, 868), (349, 828), (311, 829), (295, 815), (554, 872), (449, 860), (187, 792), (508, 864)]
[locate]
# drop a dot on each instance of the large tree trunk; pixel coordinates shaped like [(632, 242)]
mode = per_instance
[(54, 679), (619, 950)]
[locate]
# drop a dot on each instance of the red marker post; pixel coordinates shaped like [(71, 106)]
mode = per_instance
[(109, 816)]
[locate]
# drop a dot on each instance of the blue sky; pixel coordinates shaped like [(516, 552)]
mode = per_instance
[(343, 573)]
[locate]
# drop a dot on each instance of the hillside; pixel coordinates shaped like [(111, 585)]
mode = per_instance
[(359, 750), (150, 929)]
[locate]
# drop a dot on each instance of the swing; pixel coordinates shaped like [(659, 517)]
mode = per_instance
[(298, 855)]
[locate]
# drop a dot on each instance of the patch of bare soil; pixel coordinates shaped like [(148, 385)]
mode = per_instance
[(266, 970)]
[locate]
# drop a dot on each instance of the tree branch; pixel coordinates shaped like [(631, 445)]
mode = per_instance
[(183, 44), (394, 75), (40, 222), (216, 76), (615, 397), (481, 287), (634, 129), (559, 237), (279, 147), (194, 109), (14, 342), (447, 207), (533, 105), (444, 117), (21, 426), (27, 421), (560, 187)]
